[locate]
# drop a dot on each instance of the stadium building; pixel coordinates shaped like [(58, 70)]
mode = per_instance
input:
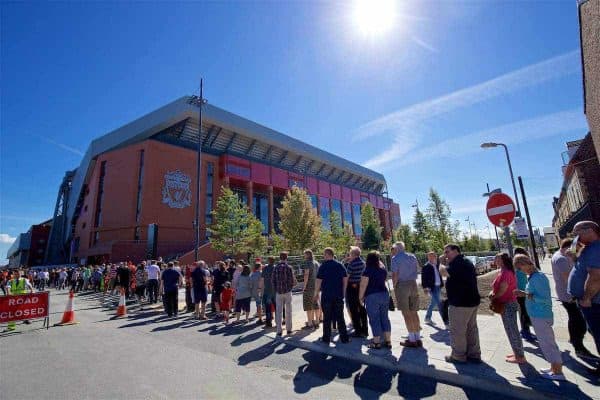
[(145, 173)]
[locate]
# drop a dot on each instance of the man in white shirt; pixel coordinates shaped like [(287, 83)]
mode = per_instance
[(153, 275)]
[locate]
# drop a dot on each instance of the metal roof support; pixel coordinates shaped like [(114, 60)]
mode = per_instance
[(181, 128), (297, 162), (212, 142), (285, 154), (321, 169), (251, 147), (331, 173), (308, 166), (268, 153), (212, 131), (228, 147)]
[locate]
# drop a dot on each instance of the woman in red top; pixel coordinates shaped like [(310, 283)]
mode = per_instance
[(226, 298), (503, 289)]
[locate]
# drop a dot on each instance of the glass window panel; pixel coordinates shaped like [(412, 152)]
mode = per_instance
[(336, 205), (325, 212), (356, 214), (347, 213)]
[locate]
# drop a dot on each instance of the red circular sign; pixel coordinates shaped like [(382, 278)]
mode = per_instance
[(500, 209)]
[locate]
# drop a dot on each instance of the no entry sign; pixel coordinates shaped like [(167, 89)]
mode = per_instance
[(500, 209), (23, 306)]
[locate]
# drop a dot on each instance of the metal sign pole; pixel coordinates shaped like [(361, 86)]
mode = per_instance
[(531, 236)]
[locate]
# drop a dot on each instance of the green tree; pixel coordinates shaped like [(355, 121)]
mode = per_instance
[(299, 223), (404, 234), (421, 232), (371, 228), (438, 217), (235, 229)]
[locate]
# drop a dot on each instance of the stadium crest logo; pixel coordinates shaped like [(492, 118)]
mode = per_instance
[(176, 191)]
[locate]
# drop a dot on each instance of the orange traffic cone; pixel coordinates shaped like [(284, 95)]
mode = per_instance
[(122, 308), (69, 315)]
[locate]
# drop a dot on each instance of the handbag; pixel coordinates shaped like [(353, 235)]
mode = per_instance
[(496, 306), (392, 304)]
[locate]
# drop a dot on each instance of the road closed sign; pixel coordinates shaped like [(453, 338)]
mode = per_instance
[(500, 209), (23, 306)]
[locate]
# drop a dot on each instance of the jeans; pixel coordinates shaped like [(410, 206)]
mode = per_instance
[(268, 301), (435, 302), (283, 300), (171, 300), (357, 312), (592, 317), (333, 310), (153, 291), (377, 309), (577, 324)]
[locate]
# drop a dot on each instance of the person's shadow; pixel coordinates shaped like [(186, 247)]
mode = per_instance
[(441, 335), (321, 369), (372, 382), (262, 352)]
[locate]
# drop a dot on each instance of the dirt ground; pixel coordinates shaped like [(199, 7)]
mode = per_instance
[(484, 283)]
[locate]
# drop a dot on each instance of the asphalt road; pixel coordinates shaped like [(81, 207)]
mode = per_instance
[(146, 356)]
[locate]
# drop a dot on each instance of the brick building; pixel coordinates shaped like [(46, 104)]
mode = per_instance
[(589, 30), (579, 198), (29, 248), (145, 173)]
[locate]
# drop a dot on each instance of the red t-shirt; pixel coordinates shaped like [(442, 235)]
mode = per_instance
[(509, 277)]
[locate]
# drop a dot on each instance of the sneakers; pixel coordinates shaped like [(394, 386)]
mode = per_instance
[(279, 334), (548, 374), (453, 360)]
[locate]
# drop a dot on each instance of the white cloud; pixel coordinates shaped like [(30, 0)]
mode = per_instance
[(530, 75), (513, 133), (5, 238)]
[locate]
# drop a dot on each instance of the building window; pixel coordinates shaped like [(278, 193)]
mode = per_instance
[(138, 233), (239, 170), (277, 201), (336, 206), (210, 174), (356, 215), (76, 244), (138, 209), (314, 201), (98, 216), (261, 210), (295, 182), (347, 213), (241, 194), (325, 212)]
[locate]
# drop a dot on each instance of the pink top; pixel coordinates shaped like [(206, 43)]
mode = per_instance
[(509, 277)]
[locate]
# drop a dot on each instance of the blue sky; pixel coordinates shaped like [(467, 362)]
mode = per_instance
[(413, 102)]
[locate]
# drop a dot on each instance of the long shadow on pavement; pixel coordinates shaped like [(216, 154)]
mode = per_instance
[(320, 370)]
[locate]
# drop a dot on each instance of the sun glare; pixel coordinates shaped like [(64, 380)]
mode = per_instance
[(374, 17)]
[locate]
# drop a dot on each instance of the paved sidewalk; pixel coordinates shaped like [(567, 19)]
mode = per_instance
[(495, 374)]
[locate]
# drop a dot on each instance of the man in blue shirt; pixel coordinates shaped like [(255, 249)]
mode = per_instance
[(584, 279), (332, 281), (171, 281)]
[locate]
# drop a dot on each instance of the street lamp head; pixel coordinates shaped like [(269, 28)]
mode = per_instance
[(488, 145)]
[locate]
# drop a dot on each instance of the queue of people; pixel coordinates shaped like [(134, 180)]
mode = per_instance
[(520, 294)]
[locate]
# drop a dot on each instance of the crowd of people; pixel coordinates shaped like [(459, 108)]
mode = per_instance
[(520, 294)]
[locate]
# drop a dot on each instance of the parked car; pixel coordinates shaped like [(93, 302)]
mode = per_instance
[(480, 264), (490, 262)]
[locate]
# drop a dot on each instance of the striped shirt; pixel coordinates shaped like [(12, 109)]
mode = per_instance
[(355, 269)]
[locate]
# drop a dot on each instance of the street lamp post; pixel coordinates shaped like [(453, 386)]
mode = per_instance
[(512, 178), (198, 170)]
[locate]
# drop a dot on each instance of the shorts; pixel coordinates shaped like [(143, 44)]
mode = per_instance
[(242, 305), (407, 296), (140, 290), (199, 295)]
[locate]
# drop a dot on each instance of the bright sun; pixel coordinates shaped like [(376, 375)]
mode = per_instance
[(374, 17)]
